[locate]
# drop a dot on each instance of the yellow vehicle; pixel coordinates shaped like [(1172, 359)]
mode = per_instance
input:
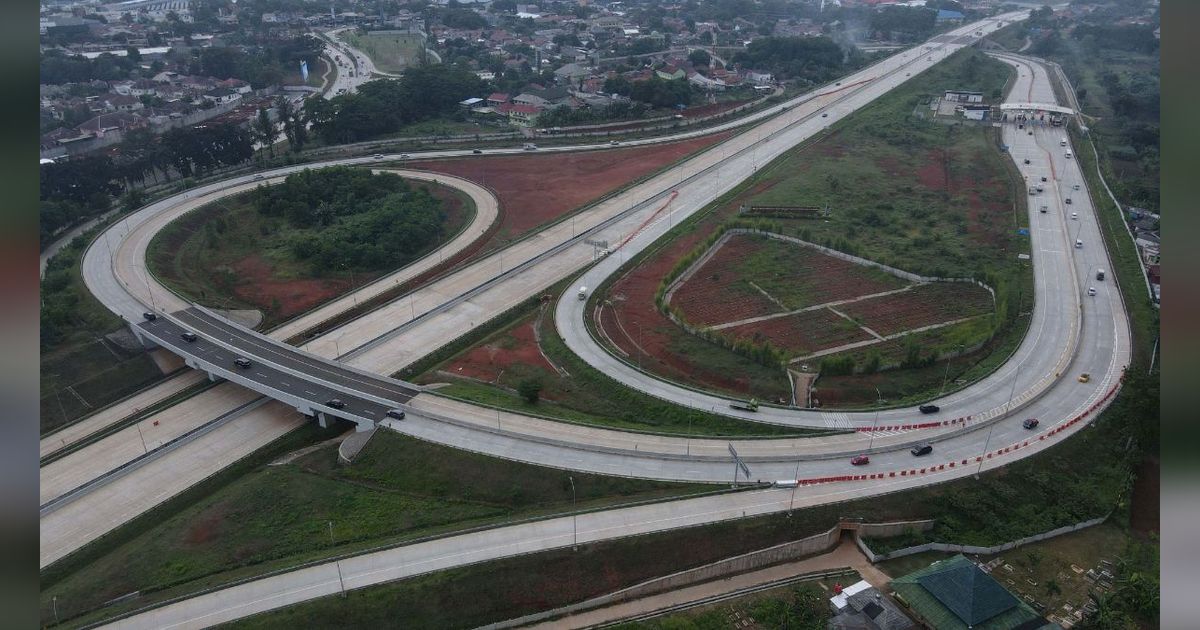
[(1085, 377)]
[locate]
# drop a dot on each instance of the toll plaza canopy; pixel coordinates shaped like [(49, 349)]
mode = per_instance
[(1036, 107)]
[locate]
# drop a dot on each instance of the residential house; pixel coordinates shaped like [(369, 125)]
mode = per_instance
[(963, 96), (701, 81), (571, 73), (497, 99), (221, 96), (670, 73), (861, 607), (520, 114), (526, 98), (122, 103)]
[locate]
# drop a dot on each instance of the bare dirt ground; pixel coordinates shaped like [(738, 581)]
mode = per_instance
[(488, 361), (539, 187)]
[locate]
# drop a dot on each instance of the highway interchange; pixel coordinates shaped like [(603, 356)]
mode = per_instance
[(1070, 333)]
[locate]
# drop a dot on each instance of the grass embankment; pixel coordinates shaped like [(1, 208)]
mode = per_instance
[(390, 52), (931, 197), (230, 254), (1143, 316), (585, 396), (81, 370), (263, 517), (1083, 477)]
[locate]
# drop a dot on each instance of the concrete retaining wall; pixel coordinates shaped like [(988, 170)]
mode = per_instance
[(984, 551), (786, 552)]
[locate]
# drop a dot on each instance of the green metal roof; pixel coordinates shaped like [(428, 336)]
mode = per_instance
[(955, 595)]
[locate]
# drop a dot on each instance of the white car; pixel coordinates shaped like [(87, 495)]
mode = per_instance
[(1091, 290)]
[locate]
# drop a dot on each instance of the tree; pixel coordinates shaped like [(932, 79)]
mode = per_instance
[(700, 57), (265, 131), (530, 389)]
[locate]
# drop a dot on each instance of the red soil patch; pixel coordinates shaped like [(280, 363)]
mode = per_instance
[(711, 109), (537, 188), (257, 285), (932, 173), (716, 293), (924, 305), (486, 362), (803, 333)]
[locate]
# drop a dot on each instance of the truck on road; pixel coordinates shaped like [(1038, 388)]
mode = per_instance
[(745, 405)]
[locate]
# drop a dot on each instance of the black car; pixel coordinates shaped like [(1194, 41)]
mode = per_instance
[(335, 403), (929, 408), (922, 449), (395, 413), (242, 362), (1030, 423), (149, 316), (188, 336), (476, 151)]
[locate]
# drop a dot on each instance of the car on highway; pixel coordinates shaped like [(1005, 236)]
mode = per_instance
[(1031, 132), (1067, 201), (397, 414), (1100, 274), (378, 156), (1075, 216), (1068, 154), (1085, 377), (929, 408), (1075, 187), (1026, 160), (1078, 244), (860, 460), (336, 403), (242, 362), (922, 449), (258, 177), (188, 336), (1091, 290), (1030, 423), (149, 316), (404, 156), (613, 143), (1044, 209), (825, 115), (476, 151), (1043, 178)]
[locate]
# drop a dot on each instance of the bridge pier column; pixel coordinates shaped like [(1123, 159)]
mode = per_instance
[(322, 420)]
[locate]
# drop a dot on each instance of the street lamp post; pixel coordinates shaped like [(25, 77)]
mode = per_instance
[(574, 518)]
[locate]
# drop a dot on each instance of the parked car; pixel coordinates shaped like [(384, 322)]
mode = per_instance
[(150, 316), (922, 449), (188, 336), (242, 362), (860, 460), (398, 414), (1030, 423), (929, 408), (335, 403)]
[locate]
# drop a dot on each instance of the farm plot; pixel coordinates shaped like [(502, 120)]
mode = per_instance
[(925, 305), (803, 333)]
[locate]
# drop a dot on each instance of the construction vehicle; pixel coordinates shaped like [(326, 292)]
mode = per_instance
[(745, 405)]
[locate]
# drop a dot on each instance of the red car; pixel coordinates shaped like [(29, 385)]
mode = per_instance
[(860, 460)]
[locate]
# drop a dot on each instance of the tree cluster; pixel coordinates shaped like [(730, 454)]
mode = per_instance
[(57, 68), (353, 219), (263, 66), (384, 106), (814, 59)]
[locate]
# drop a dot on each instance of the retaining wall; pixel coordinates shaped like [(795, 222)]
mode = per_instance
[(983, 551)]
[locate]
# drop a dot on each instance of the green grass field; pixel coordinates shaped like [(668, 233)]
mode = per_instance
[(398, 489), (390, 52)]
